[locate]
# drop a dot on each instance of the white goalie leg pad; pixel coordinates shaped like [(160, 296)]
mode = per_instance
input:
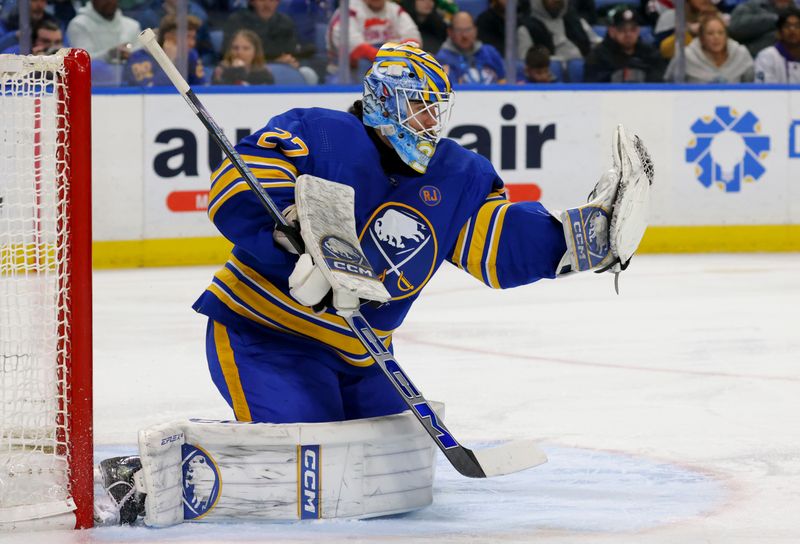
[(328, 226), (231, 471), (160, 450)]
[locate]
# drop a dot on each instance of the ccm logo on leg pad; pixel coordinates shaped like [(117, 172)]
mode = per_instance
[(309, 500)]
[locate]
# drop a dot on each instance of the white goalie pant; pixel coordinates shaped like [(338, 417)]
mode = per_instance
[(201, 470)]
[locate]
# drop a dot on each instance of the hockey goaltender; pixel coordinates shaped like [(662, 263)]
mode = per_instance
[(362, 207)]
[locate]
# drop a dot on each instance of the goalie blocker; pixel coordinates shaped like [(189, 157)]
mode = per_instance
[(201, 470)]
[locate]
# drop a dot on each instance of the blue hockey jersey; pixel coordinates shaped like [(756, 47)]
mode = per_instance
[(408, 225), (142, 69)]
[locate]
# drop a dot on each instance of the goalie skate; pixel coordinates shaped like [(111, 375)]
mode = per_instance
[(116, 477)]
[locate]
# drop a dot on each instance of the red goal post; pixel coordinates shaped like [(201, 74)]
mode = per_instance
[(46, 446)]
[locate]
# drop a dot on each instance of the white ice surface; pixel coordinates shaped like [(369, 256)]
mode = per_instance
[(670, 413)]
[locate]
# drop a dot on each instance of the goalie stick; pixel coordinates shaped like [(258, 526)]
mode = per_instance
[(495, 461)]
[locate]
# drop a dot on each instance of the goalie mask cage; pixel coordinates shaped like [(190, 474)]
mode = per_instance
[(46, 454)]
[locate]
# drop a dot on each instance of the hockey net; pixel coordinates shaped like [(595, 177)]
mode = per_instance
[(45, 291)]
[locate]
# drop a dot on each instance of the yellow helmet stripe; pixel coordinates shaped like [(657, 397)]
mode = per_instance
[(433, 65), (392, 63)]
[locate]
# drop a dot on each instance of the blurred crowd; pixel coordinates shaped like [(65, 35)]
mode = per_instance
[(298, 42)]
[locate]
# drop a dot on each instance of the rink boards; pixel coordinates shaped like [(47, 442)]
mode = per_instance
[(727, 168)]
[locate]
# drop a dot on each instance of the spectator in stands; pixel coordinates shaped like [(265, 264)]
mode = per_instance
[(465, 58), (243, 62), (430, 23), (103, 31), (753, 23), (695, 10), (537, 65), (12, 27), (142, 70), (622, 57), (276, 31), (570, 40), (714, 57), (780, 63), (152, 12), (47, 39), (492, 28), (651, 10), (372, 23)]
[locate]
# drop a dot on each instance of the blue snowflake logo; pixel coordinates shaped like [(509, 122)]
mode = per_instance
[(727, 149)]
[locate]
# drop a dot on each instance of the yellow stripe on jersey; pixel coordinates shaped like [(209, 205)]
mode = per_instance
[(287, 300), (501, 194), (268, 305), (237, 188), (490, 265), (227, 183), (241, 309), (248, 313), (460, 250), (481, 231), (219, 183), (230, 371), (458, 254), (254, 161), (231, 183)]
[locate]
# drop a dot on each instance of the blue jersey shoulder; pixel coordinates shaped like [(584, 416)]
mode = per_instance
[(476, 171), (307, 117), (306, 123)]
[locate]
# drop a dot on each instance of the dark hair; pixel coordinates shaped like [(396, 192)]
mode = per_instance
[(357, 109), (47, 24), (538, 56), (169, 23), (784, 17)]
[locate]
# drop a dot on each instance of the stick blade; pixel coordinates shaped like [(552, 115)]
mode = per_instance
[(510, 457)]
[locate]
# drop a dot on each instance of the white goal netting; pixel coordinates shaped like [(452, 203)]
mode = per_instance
[(34, 191)]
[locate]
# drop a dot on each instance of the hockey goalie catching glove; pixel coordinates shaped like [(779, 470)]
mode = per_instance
[(605, 233)]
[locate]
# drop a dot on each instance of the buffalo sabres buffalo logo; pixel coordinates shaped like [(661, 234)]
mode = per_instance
[(340, 248), (598, 234), (201, 482), (343, 256), (590, 234), (402, 247)]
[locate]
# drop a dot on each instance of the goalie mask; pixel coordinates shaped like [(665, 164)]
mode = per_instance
[(407, 97)]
